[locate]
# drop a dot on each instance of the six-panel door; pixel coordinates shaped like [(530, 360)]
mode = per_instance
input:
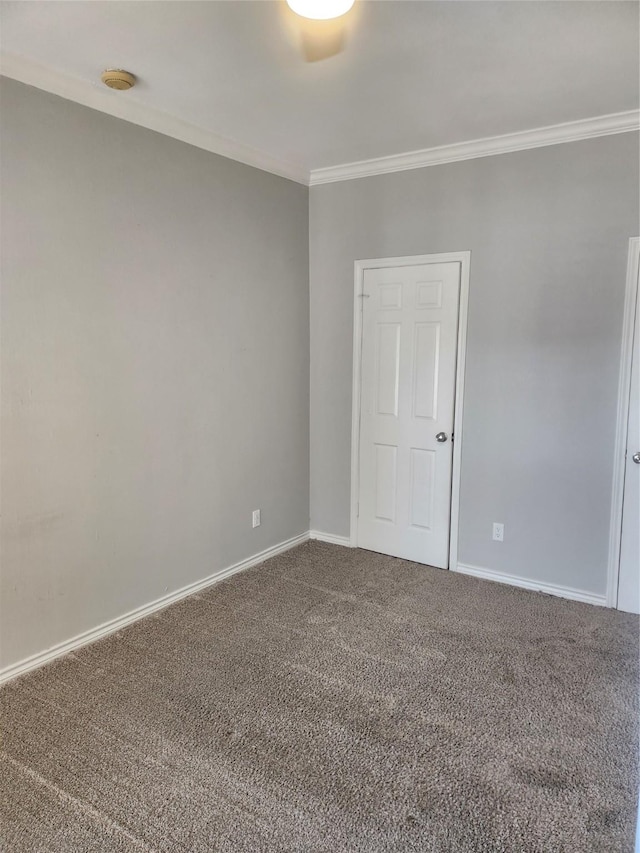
[(629, 578), (409, 345)]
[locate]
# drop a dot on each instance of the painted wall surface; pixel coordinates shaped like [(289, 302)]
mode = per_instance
[(548, 230), (155, 366)]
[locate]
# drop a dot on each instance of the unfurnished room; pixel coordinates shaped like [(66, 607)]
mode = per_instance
[(320, 424)]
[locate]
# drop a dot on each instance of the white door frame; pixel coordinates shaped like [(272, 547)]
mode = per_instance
[(622, 420), (464, 259)]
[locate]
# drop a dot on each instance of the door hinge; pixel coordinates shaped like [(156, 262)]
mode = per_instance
[(364, 296)]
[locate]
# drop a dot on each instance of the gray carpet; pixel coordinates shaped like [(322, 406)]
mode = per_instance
[(333, 700)]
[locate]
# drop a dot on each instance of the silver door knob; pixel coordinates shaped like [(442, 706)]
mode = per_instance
[(441, 436), (636, 458)]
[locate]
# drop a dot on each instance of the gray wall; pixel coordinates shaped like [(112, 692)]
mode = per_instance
[(155, 366), (548, 231)]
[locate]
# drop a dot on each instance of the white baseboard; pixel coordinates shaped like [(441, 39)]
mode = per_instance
[(536, 586), (119, 622), (329, 537), (90, 636)]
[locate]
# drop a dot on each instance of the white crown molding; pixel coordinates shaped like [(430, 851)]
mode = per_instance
[(553, 135), (34, 661), (534, 586), (119, 104)]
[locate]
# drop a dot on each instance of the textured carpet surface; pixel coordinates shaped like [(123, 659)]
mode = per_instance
[(333, 700)]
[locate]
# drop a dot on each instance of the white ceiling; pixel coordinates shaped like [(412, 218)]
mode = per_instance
[(412, 75)]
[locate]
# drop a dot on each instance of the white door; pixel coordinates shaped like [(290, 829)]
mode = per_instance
[(409, 344), (629, 578)]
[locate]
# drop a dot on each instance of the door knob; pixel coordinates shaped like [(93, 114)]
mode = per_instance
[(442, 436), (636, 458)]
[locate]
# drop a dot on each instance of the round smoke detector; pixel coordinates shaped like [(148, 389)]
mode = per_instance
[(115, 78)]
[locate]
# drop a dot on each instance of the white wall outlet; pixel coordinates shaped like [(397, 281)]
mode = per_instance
[(498, 532), (255, 518)]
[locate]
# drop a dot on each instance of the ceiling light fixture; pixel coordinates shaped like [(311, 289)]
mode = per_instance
[(320, 10)]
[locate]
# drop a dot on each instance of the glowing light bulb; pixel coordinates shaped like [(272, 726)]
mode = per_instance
[(320, 10)]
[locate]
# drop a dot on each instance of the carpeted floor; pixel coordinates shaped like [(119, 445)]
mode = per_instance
[(333, 700)]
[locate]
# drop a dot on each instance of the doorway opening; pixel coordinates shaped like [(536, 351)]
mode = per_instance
[(623, 583)]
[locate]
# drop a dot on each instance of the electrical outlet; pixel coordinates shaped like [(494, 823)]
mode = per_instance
[(255, 519), (498, 532)]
